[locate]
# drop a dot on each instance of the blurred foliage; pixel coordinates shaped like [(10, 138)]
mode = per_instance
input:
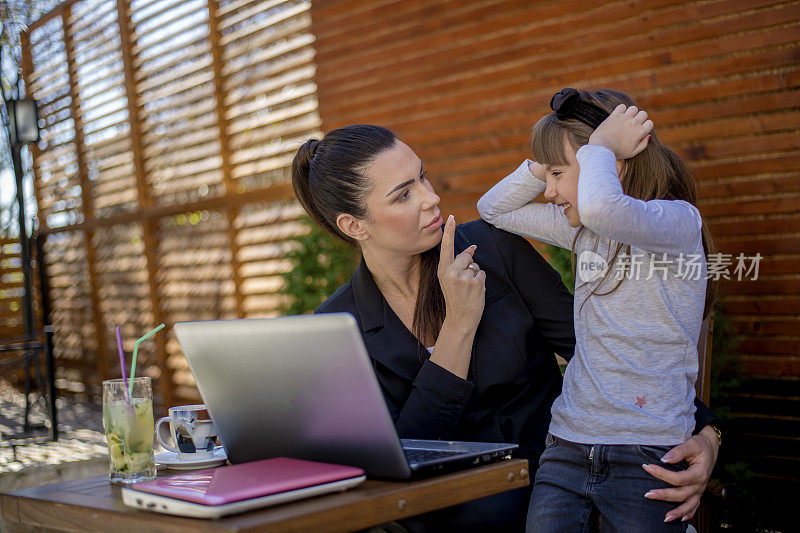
[(322, 263), (560, 259)]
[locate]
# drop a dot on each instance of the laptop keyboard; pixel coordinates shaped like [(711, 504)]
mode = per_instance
[(421, 456)]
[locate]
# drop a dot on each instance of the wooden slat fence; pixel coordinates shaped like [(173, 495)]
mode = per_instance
[(11, 289), (12, 322), (162, 175)]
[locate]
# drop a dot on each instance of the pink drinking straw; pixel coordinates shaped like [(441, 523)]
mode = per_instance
[(122, 365)]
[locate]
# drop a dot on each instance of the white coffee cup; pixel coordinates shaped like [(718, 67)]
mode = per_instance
[(191, 433)]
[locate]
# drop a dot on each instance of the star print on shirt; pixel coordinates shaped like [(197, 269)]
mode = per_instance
[(640, 402)]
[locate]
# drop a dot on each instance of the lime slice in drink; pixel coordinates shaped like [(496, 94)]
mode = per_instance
[(117, 455)]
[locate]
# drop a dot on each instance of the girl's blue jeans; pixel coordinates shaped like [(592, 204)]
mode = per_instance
[(583, 487)]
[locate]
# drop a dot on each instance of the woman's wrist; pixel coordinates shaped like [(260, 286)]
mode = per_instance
[(713, 434), (460, 326), (453, 349)]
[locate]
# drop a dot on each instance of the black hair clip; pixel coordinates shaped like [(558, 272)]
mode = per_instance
[(568, 104)]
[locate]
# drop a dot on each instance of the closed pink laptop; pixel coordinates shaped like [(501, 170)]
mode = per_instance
[(227, 484)]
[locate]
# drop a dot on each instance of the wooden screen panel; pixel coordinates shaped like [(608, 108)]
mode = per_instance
[(123, 287), (174, 85), (56, 168), (194, 280), (103, 106), (198, 272), (11, 289), (262, 233), (182, 117), (268, 87), (60, 196), (12, 323), (74, 341)]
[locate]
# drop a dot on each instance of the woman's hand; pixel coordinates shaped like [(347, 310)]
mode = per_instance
[(537, 170), (625, 132), (463, 282), (700, 452), (463, 285)]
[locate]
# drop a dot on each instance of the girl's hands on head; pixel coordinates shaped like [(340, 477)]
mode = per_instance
[(537, 170), (463, 286), (625, 132)]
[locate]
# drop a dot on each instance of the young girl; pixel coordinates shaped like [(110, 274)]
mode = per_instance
[(624, 204)]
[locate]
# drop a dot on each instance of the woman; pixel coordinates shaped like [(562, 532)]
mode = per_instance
[(462, 343)]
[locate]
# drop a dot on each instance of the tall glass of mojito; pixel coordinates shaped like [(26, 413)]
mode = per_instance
[(129, 430)]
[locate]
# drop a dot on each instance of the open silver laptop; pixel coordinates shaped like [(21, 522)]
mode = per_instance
[(303, 387)]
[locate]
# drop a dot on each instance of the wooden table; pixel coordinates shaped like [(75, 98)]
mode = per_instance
[(93, 504)]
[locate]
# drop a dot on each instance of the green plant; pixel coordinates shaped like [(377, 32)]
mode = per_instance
[(560, 259), (321, 263)]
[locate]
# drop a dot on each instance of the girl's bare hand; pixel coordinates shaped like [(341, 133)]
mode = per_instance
[(625, 132), (537, 170)]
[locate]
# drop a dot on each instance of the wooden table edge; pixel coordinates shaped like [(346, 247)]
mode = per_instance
[(342, 511), (9, 507)]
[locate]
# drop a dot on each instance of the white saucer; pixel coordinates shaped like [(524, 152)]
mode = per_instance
[(173, 462)]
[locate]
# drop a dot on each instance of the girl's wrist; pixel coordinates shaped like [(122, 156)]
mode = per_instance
[(598, 140), (537, 170)]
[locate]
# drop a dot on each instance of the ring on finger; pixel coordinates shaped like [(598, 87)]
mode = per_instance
[(474, 267)]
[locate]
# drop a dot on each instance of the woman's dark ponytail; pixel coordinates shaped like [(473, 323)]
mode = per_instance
[(327, 175), (301, 176)]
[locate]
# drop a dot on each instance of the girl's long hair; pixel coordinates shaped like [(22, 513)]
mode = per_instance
[(655, 173), (328, 180)]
